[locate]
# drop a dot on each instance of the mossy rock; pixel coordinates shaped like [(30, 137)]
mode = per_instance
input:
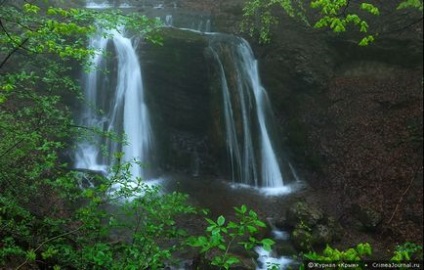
[(369, 218), (305, 213), (311, 227)]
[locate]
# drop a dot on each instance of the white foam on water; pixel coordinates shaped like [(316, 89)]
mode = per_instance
[(275, 191), (267, 261), (94, 5), (280, 235), (146, 184), (125, 5), (269, 191)]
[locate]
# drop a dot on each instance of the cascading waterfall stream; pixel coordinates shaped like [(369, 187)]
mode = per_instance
[(125, 113), (252, 152), (248, 106), (104, 5), (88, 155)]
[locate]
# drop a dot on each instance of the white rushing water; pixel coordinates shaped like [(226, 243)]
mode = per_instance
[(197, 25), (95, 5), (246, 109), (266, 260), (88, 155), (104, 5), (120, 109)]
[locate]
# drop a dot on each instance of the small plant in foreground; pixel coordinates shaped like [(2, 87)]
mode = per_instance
[(222, 235), (408, 251), (405, 252), (334, 255)]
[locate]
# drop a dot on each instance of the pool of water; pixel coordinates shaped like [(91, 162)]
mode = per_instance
[(221, 196)]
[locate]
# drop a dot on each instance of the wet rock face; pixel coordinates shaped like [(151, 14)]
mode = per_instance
[(303, 212), (369, 218), (310, 226), (350, 117), (176, 79)]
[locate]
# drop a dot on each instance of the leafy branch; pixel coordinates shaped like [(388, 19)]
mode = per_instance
[(221, 236), (259, 16), (31, 254)]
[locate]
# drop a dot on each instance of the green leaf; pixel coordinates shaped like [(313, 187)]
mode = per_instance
[(370, 8), (222, 247), (220, 221), (29, 8), (252, 229), (328, 251), (210, 221), (366, 40), (30, 255), (232, 260), (267, 243), (260, 223), (232, 225), (416, 4), (253, 214)]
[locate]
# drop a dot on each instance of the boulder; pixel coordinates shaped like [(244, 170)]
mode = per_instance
[(305, 213), (311, 227), (369, 218)]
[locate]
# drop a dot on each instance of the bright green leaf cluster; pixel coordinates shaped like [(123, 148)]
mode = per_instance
[(221, 236), (405, 252), (408, 251), (334, 255), (370, 8), (334, 14), (416, 4), (29, 8), (259, 18)]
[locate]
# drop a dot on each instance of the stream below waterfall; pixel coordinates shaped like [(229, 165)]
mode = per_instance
[(220, 197)]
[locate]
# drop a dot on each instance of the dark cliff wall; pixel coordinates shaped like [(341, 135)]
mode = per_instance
[(175, 75), (351, 116)]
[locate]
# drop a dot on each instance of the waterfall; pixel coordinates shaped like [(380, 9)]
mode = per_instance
[(94, 5), (104, 5), (246, 111), (169, 20), (208, 25), (88, 155), (196, 24), (120, 109)]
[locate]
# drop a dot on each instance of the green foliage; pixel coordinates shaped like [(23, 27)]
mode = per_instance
[(408, 251), (416, 4), (148, 220), (334, 255), (304, 233), (45, 216), (222, 235), (142, 221), (405, 252), (258, 16), (58, 33), (333, 14), (335, 17)]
